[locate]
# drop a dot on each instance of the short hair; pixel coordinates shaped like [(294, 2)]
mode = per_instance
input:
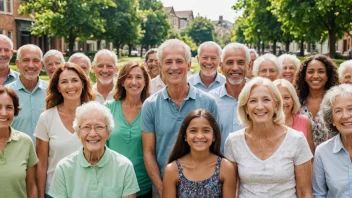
[(107, 52), (208, 44), (292, 58), (149, 52), (120, 91), (181, 147), (53, 52), (19, 51), (87, 108), (233, 46), (343, 66), (13, 96), (81, 55), (291, 89), (54, 97), (327, 105), (245, 94), (302, 87), (174, 43), (4, 38), (254, 51), (261, 59)]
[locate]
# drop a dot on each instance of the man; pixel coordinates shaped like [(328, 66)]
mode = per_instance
[(254, 55), (81, 60), (152, 63), (30, 89), (7, 75), (105, 69), (209, 59), (163, 112), (52, 59), (234, 62)]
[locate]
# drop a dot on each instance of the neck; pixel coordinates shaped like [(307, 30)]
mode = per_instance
[(207, 80), (70, 106), (4, 71), (234, 90), (105, 88), (93, 157), (5, 133), (200, 157), (289, 119), (263, 130), (29, 84), (316, 93), (177, 92), (132, 101)]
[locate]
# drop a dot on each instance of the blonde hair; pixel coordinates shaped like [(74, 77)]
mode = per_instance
[(285, 83)]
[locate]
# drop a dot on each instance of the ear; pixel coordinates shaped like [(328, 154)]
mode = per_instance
[(221, 67)]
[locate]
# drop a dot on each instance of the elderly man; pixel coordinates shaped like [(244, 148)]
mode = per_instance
[(30, 89), (52, 59), (81, 60), (209, 59), (234, 63), (7, 75), (105, 68), (163, 112), (254, 55), (153, 67)]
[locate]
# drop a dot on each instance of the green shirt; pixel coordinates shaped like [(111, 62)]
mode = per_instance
[(19, 154), (112, 176), (127, 140)]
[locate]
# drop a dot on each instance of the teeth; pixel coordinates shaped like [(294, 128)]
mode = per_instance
[(92, 141), (134, 88), (104, 75), (71, 92), (347, 124), (260, 114), (3, 119), (208, 66)]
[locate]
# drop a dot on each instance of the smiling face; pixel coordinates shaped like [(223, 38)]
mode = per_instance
[(208, 60), (268, 70), (288, 70), (174, 66), (105, 69), (30, 63), (70, 85), (82, 63), (342, 114), (316, 75), (234, 66), (287, 99), (51, 64), (134, 82), (347, 76), (199, 134), (5, 54), (153, 65), (7, 110)]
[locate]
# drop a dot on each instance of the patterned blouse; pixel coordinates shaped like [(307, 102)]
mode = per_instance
[(210, 188)]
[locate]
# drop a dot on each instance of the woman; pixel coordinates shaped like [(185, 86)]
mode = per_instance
[(332, 177), (196, 166), (345, 72), (271, 159), (17, 154), (56, 139), (267, 66), (290, 66), (95, 170), (291, 108), (317, 75), (132, 88)]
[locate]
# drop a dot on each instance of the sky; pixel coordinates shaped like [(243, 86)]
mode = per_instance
[(211, 9)]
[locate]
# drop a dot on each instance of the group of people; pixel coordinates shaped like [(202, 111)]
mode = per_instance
[(245, 125)]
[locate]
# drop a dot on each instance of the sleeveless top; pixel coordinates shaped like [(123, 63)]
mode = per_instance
[(300, 123), (210, 188)]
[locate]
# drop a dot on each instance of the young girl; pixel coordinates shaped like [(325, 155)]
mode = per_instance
[(196, 166)]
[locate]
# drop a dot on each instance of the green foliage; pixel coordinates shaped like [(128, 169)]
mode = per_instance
[(201, 30)]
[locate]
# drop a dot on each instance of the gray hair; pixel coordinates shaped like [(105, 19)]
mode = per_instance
[(174, 43), (80, 55), (233, 46), (343, 66), (327, 104), (53, 52), (263, 58), (150, 51), (19, 51), (208, 44), (107, 52), (254, 51), (4, 38), (87, 108), (292, 58), (291, 89)]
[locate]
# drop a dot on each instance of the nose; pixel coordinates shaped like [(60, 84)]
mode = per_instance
[(259, 105), (267, 73), (2, 111), (346, 113), (105, 69), (2, 52), (134, 81)]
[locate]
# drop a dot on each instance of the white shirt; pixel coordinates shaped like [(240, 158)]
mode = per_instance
[(100, 98), (156, 84)]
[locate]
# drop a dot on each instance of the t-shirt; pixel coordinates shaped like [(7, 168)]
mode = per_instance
[(61, 141), (18, 156), (300, 123), (126, 139), (273, 177)]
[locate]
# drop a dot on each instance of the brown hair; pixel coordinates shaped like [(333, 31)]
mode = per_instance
[(54, 97), (120, 91), (13, 96)]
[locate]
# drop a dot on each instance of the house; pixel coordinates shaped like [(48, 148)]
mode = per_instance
[(186, 18), (173, 18)]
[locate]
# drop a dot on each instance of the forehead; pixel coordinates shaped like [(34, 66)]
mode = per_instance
[(4, 44), (342, 100), (5, 98), (199, 121), (235, 54), (252, 54), (68, 73), (105, 58), (152, 56), (92, 116), (136, 70), (173, 53), (260, 91), (54, 57), (283, 89), (79, 61), (287, 62), (348, 70), (209, 50), (30, 52), (267, 64), (315, 64)]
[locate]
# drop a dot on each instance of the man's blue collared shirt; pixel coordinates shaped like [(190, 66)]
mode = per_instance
[(197, 82), (332, 175), (11, 77)]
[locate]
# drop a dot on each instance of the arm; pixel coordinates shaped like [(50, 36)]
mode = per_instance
[(42, 166), (310, 138), (32, 191), (228, 175), (150, 160), (130, 196), (303, 174), (170, 180), (320, 188)]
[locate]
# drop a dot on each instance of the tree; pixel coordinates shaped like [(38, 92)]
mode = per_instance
[(201, 30)]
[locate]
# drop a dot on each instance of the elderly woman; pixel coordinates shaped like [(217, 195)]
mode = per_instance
[(290, 65), (132, 88), (267, 66), (345, 72), (56, 139), (291, 108), (52, 60), (95, 170), (17, 154), (332, 163), (271, 159), (317, 75), (81, 60)]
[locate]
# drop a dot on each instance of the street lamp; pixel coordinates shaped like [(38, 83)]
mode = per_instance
[(258, 31)]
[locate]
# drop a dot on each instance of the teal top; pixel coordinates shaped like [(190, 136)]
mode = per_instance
[(127, 140)]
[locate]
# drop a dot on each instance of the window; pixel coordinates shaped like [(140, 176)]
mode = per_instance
[(6, 6), (9, 34), (2, 5), (1, 31)]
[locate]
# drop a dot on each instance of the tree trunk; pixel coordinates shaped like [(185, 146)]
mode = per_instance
[(301, 52), (117, 45), (309, 47), (274, 47), (332, 42), (287, 45), (263, 46), (98, 43), (129, 49), (71, 43), (141, 51)]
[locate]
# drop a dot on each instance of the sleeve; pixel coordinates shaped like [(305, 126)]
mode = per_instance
[(32, 156), (319, 182), (130, 184), (41, 130), (303, 152), (147, 118), (58, 184), (229, 150), (214, 109)]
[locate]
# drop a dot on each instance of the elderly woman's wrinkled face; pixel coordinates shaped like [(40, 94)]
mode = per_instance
[(93, 131), (342, 114), (268, 70), (287, 99), (347, 76), (7, 110), (288, 70)]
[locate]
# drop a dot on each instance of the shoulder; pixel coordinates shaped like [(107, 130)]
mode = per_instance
[(24, 138), (193, 79), (202, 95), (171, 167), (111, 103), (122, 160), (235, 136), (215, 92), (300, 117), (226, 165), (43, 84), (68, 161), (294, 134), (12, 85), (326, 146), (222, 78)]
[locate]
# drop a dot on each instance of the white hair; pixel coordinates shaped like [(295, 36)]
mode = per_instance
[(261, 59), (233, 46), (174, 43), (107, 52), (254, 51), (53, 52), (80, 55), (19, 51), (209, 44), (292, 58), (343, 66), (4, 38)]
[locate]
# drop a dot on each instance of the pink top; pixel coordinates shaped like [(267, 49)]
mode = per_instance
[(300, 123)]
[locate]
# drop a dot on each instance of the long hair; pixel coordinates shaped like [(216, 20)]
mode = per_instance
[(182, 148), (54, 97)]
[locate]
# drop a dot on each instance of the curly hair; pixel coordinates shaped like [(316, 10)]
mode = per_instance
[(302, 86)]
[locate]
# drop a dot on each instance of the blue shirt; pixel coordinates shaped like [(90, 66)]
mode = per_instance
[(197, 82), (161, 116), (11, 76), (32, 103), (332, 175), (228, 118)]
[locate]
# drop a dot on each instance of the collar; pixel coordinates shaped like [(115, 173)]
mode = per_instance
[(103, 161), (13, 73), (95, 87), (223, 91), (40, 84), (192, 93), (14, 135), (199, 80), (338, 145)]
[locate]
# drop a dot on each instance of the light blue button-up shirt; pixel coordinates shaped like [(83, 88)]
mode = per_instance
[(197, 82), (332, 175), (11, 77), (32, 103), (227, 107)]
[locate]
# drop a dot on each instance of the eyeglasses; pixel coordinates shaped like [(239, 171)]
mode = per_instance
[(97, 128)]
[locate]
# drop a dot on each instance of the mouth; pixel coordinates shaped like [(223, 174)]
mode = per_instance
[(287, 76), (174, 73), (260, 114), (3, 119), (199, 142), (104, 74), (93, 141), (71, 92), (316, 82), (208, 66), (346, 124)]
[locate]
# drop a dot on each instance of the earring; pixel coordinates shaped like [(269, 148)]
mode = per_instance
[(213, 140)]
